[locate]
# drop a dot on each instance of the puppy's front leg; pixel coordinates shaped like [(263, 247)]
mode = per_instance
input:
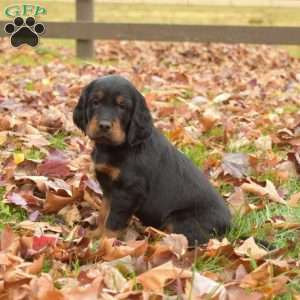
[(122, 207)]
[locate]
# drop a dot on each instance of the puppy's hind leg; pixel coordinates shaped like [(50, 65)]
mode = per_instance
[(190, 227)]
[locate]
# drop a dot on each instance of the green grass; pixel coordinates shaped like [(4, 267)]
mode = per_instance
[(281, 151), (269, 174), (214, 132), (33, 154), (19, 59), (75, 267), (292, 287), (198, 154), (254, 223), (290, 108), (47, 265), (292, 186), (30, 154), (225, 188), (247, 148), (9, 213), (212, 264), (293, 50), (126, 271), (45, 54)]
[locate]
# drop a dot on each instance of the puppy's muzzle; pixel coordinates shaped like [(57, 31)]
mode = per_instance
[(105, 126)]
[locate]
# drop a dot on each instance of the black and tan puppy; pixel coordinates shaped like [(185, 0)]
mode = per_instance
[(140, 172)]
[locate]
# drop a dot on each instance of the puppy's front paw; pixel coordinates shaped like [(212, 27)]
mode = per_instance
[(103, 232), (117, 234), (94, 234)]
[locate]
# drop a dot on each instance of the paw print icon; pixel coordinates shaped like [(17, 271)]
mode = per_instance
[(24, 32)]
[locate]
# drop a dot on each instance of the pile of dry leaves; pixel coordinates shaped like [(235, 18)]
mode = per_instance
[(226, 98)]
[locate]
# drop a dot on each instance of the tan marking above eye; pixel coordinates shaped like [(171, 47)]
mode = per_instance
[(120, 100), (111, 171), (100, 94), (97, 97)]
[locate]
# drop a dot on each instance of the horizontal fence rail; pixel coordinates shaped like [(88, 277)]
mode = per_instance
[(159, 32)]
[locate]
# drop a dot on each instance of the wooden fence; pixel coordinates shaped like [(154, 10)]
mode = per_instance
[(85, 31)]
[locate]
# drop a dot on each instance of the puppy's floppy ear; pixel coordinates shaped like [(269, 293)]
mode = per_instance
[(79, 113), (140, 126)]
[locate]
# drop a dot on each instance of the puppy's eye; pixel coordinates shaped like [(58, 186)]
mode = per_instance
[(120, 101), (96, 102)]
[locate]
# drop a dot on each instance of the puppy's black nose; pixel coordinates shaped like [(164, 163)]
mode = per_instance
[(105, 125)]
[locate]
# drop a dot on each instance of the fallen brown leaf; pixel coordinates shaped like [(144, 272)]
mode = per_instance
[(111, 251), (269, 190), (235, 164), (155, 279), (56, 202), (70, 214), (251, 249), (203, 287), (294, 200)]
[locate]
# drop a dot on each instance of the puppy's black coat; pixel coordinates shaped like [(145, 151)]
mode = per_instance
[(140, 172)]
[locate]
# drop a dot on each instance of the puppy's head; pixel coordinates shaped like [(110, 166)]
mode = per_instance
[(111, 111)]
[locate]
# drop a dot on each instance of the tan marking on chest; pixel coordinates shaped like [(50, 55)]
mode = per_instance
[(112, 172)]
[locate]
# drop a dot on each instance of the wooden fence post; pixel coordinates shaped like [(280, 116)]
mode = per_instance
[(85, 13)]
